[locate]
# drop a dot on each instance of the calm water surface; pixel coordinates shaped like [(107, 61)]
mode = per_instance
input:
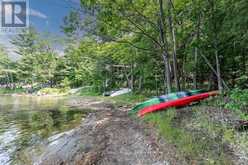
[(26, 123)]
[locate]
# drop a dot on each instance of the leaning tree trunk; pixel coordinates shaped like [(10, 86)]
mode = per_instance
[(165, 53)]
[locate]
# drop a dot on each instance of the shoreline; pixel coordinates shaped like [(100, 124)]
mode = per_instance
[(34, 95), (109, 136), (109, 127)]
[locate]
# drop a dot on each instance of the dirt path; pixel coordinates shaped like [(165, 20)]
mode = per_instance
[(108, 136)]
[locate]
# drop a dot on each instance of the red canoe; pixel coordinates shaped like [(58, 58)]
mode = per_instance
[(176, 103)]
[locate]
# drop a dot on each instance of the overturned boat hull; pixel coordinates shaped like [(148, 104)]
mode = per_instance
[(176, 103)]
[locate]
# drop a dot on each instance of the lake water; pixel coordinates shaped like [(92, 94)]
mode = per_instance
[(26, 123)]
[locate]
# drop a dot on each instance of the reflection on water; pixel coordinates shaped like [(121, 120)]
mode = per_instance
[(26, 122)]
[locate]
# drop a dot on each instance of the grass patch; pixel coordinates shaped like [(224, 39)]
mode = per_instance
[(53, 91), (89, 91), (127, 99), (195, 144)]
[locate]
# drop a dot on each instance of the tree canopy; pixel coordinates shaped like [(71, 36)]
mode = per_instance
[(159, 46)]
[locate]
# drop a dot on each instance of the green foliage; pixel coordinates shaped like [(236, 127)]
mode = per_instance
[(26, 41), (6, 67), (241, 81), (71, 23), (65, 84), (53, 91), (106, 34), (209, 26), (11, 91), (3, 57), (37, 67), (89, 91), (238, 102), (38, 61)]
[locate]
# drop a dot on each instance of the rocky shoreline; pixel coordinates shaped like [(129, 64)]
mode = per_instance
[(108, 136)]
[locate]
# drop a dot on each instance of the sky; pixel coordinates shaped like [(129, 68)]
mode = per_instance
[(45, 16)]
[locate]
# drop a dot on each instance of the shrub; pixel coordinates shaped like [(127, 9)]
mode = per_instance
[(239, 102), (51, 91)]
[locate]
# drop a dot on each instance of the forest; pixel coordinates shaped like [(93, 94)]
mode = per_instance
[(150, 46), (184, 61)]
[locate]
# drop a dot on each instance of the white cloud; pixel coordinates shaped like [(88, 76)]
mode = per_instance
[(37, 13)]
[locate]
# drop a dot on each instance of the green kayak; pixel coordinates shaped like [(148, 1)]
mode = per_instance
[(197, 91), (164, 98), (145, 104), (157, 100)]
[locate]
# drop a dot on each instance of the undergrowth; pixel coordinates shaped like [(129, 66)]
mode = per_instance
[(195, 145), (238, 102)]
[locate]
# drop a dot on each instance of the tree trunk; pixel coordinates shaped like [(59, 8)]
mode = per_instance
[(140, 83), (244, 61), (195, 71), (167, 72), (7, 77), (220, 87), (132, 77), (214, 71), (172, 30), (215, 44), (165, 53), (196, 51)]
